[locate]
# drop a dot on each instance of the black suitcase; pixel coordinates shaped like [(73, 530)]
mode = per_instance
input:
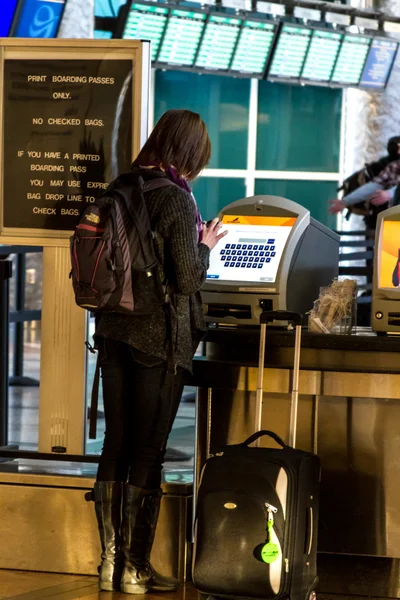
[(256, 522)]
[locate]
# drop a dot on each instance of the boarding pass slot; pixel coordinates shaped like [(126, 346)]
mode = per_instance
[(235, 311), (394, 319)]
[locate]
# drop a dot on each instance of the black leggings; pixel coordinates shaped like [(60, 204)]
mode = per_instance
[(140, 405)]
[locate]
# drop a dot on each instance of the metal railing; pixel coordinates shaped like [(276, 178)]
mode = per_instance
[(18, 315), (356, 259)]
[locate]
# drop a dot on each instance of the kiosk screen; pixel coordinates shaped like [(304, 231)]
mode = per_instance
[(351, 60), (146, 23), (252, 249), (182, 37), (290, 52), (254, 47), (379, 63), (389, 255), (218, 43)]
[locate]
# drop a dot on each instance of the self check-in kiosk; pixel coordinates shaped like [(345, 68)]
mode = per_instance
[(386, 281), (275, 256)]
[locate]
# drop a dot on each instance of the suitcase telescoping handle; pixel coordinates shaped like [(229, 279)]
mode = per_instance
[(296, 319)]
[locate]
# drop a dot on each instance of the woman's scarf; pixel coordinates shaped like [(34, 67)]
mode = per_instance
[(183, 184)]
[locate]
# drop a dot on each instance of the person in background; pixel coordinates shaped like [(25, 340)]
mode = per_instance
[(379, 191), (141, 393)]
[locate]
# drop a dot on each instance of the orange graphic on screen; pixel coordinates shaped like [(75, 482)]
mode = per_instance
[(389, 269), (257, 220)]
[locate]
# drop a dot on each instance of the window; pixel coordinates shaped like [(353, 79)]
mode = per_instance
[(107, 8), (222, 102), (298, 128), (213, 194)]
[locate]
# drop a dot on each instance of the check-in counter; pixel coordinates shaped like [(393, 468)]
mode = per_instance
[(349, 413)]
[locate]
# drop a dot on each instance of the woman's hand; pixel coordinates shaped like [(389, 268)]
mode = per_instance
[(336, 206), (212, 234)]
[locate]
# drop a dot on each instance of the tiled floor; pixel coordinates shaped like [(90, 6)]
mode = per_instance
[(21, 585)]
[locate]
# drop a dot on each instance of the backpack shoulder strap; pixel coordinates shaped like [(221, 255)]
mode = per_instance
[(154, 184), (94, 403), (125, 193)]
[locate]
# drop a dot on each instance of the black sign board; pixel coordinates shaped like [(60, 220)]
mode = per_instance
[(67, 134)]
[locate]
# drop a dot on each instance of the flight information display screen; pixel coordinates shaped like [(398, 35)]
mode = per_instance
[(322, 55), (379, 63), (252, 249), (182, 37), (218, 42), (290, 52), (254, 46), (351, 60), (146, 23), (7, 15)]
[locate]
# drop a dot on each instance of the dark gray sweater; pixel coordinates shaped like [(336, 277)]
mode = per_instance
[(184, 262)]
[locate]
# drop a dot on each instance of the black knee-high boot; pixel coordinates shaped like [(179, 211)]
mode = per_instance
[(108, 506), (139, 520)]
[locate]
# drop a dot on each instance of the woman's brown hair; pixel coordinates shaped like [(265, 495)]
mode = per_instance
[(178, 140)]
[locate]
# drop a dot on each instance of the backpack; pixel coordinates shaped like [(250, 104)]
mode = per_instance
[(114, 265)]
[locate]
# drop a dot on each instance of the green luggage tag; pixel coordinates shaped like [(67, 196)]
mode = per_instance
[(270, 551)]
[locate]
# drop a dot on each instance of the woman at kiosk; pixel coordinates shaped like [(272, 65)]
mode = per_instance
[(141, 397)]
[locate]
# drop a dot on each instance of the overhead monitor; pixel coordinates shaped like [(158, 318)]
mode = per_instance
[(39, 18), (380, 59), (322, 54), (8, 8), (252, 249), (254, 47), (351, 60), (182, 37), (290, 52), (146, 22), (218, 43)]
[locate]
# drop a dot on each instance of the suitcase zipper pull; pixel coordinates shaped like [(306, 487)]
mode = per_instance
[(271, 509), (270, 524)]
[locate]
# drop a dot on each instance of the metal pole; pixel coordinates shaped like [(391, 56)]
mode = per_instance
[(260, 381), (295, 389), (18, 358), (5, 274)]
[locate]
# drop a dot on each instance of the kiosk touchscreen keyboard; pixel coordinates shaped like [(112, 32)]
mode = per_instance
[(249, 256)]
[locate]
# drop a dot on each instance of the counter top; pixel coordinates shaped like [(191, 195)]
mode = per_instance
[(364, 340), (229, 349)]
